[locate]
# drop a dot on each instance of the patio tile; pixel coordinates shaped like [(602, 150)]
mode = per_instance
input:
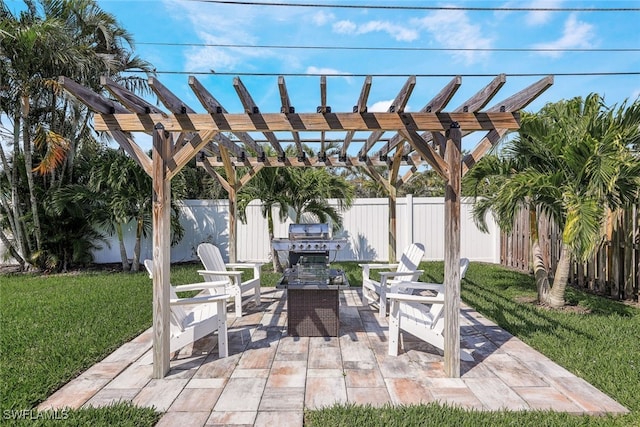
[(374, 396), (324, 354), (241, 394), (586, 395), (74, 394), (105, 370), (361, 378), (159, 393), (405, 391), (456, 396), (324, 391), (279, 418), (196, 399), (287, 374), (109, 396), (206, 383), (232, 418), (547, 398), (257, 358), (250, 373), (135, 376), (495, 394), (512, 372), (191, 419), (282, 399), (218, 368)]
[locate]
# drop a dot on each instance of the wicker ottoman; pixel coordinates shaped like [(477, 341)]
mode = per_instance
[(313, 311)]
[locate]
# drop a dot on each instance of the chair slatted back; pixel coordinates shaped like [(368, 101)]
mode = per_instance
[(211, 259), (411, 257), (178, 314)]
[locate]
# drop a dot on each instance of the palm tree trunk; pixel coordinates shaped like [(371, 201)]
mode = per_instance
[(539, 268), (135, 262), (123, 249), (274, 253), (556, 296), (28, 164)]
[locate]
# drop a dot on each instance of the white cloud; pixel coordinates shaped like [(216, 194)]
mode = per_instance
[(345, 27), (398, 32), (537, 18), (321, 18), (576, 34), (453, 29), (380, 106)]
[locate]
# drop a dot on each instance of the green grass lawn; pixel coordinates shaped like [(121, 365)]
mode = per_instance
[(52, 328)]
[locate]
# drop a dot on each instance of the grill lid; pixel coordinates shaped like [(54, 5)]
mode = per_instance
[(309, 231)]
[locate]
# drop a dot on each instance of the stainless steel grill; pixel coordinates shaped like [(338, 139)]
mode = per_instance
[(308, 240)]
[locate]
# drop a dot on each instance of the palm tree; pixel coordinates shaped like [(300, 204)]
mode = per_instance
[(310, 190), (124, 192), (74, 38), (270, 186), (302, 190), (571, 162)]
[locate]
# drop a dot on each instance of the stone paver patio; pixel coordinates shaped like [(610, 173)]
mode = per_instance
[(269, 377)]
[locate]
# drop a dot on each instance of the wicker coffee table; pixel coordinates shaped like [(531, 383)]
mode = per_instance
[(313, 306)]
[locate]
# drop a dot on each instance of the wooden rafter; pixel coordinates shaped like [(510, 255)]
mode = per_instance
[(397, 106), (287, 108), (436, 105), (212, 106), (252, 110), (360, 107)]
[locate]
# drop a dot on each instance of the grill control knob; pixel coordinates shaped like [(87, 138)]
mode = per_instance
[(293, 246), (317, 246), (324, 246)]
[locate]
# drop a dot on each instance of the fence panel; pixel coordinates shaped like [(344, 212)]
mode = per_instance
[(366, 229), (613, 270)]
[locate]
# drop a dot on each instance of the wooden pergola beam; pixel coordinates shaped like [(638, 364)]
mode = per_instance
[(413, 159), (306, 122)]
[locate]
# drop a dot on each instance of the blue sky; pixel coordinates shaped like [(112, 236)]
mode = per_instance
[(199, 23), (195, 22)]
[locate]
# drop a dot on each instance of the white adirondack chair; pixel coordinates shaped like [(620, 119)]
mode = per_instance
[(406, 269), (421, 316), (217, 271), (197, 317)]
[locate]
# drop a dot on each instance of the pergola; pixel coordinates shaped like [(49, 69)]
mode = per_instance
[(431, 136)]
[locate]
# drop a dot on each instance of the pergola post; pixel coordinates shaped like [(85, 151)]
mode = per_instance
[(161, 250), (452, 253)]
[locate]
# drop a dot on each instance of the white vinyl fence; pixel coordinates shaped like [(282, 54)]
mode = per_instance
[(366, 228)]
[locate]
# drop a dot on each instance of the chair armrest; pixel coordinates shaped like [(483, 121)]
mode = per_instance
[(199, 300), (415, 298), (220, 273), (244, 264), (378, 266), (393, 274), (439, 287), (202, 285)]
